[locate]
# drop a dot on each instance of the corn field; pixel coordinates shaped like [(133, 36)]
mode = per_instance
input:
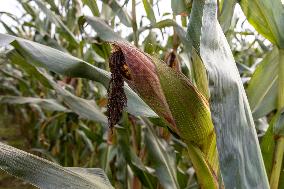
[(142, 94)]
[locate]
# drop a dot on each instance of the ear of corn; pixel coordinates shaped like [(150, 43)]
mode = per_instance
[(173, 97)]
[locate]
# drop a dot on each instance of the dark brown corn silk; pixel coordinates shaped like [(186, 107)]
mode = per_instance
[(117, 100)]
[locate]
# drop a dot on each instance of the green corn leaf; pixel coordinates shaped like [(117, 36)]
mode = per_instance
[(47, 175), (65, 64), (149, 11), (135, 163), (104, 31), (92, 4), (267, 18), (179, 6), (85, 108), (164, 161), (48, 104), (262, 88), (268, 146), (57, 21), (226, 15), (241, 162), (119, 11), (268, 143)]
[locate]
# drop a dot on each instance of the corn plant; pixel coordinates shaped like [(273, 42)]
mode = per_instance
[(146, 113)]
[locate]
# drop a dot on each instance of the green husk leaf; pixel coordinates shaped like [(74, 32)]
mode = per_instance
[(189, 108), (200, 74)]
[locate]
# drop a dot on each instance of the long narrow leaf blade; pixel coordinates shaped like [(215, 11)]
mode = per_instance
[(119, 11), (57, 21), (135, 163), (84, 108), (267, 18), (262, 88), (104, 31), (239, 152), (48, 104), (65, 64), (164, 163), (226, 14), (45, 174)]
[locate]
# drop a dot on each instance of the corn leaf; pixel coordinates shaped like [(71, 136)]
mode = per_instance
[(92, 4), (226, 15), (267, 18), (178, 6), (163, 158), (239, 153), (119, 11), (135, 163), (85, 108), (47, 175), (65, 64), (104, 31), (57, 21), (262, 88), (48, 104), (149, 11)]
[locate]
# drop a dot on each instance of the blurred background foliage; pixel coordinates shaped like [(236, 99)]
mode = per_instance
[(48, 122)]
